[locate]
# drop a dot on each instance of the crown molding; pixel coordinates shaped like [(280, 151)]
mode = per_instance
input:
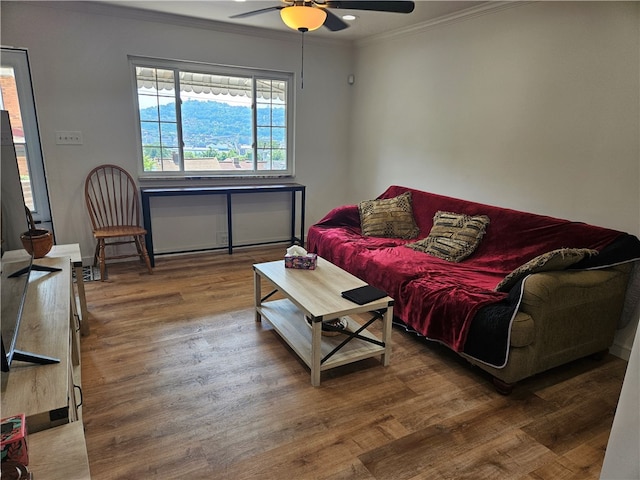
[(102, 8), (466, 14)]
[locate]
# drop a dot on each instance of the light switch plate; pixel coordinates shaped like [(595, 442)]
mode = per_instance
[(68, 138)]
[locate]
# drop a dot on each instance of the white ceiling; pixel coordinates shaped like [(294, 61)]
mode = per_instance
[(367, 24)]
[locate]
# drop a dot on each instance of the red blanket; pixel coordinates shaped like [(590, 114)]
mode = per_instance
[(434, 297)]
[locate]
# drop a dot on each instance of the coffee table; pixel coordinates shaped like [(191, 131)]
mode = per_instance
[(315, 296)]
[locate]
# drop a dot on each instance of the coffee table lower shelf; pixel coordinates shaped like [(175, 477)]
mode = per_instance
[(290, 323)]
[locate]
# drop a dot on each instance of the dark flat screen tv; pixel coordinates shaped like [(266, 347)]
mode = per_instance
[(15, 275)]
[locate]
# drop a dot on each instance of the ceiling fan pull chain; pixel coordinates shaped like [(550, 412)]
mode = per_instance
[(302, 64)]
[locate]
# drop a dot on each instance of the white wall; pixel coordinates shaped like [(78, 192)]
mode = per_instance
[(78, 55), (622, 457), (533, 107)]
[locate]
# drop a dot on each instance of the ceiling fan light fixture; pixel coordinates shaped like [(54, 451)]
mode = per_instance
[(303, 18)]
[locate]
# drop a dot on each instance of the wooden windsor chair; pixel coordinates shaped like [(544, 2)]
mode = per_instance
[(114, 209)]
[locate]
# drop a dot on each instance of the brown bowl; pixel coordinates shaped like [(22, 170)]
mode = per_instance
[(12, 470), (37, 242)]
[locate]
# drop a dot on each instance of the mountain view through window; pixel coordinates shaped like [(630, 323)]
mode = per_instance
[(205, 122)]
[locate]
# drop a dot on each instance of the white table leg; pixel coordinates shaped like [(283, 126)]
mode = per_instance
[(257, 294)]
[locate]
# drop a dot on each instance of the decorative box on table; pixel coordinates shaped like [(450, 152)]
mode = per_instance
[(14, 441), (305, 262)]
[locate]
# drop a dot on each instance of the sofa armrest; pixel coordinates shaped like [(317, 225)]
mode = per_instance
[(343, 216), (575, 312), (545, 289)]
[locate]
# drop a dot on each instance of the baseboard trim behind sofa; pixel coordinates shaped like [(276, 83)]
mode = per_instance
[(620, 351)]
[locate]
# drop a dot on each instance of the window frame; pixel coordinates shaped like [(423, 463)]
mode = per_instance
[(18, 59), (215, 69)]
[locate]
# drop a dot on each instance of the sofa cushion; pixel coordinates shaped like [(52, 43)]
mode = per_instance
[(453, 237), (554, 260), (388, 218)]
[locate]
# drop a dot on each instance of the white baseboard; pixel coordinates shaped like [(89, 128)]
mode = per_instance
[(620, 351)]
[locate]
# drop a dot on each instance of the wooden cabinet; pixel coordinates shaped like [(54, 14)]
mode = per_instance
[(67, 460), (48, 395), (72, 252)]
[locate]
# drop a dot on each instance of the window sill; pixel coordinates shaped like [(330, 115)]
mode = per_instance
[(207, 180)]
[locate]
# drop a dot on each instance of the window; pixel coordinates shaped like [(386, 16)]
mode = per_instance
[(208, 120), (16, 96)]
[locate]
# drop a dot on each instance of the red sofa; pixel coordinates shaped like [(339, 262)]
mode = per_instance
[(511, 334)]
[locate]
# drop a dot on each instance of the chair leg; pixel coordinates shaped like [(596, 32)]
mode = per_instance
[(137, 243), (103, 266), (96, 253), (144, 255)]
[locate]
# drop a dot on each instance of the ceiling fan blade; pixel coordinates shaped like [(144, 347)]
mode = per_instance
[(334, 23), (374, 5), (257, 12)]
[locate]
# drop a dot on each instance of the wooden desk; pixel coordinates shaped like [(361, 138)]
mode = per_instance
[(228, 191), (59, 453)]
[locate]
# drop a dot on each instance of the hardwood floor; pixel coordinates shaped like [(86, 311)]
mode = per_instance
[(180, 382)]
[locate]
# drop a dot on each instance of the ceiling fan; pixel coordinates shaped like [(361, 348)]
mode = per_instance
[(308, 15)]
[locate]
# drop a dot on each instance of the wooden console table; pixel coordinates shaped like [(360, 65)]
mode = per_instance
[(59, 453), (228, 191), (71, 251), (49, 396)]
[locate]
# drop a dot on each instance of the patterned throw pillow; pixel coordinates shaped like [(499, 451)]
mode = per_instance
[(453, 237), (388, 218), (554, 260)]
